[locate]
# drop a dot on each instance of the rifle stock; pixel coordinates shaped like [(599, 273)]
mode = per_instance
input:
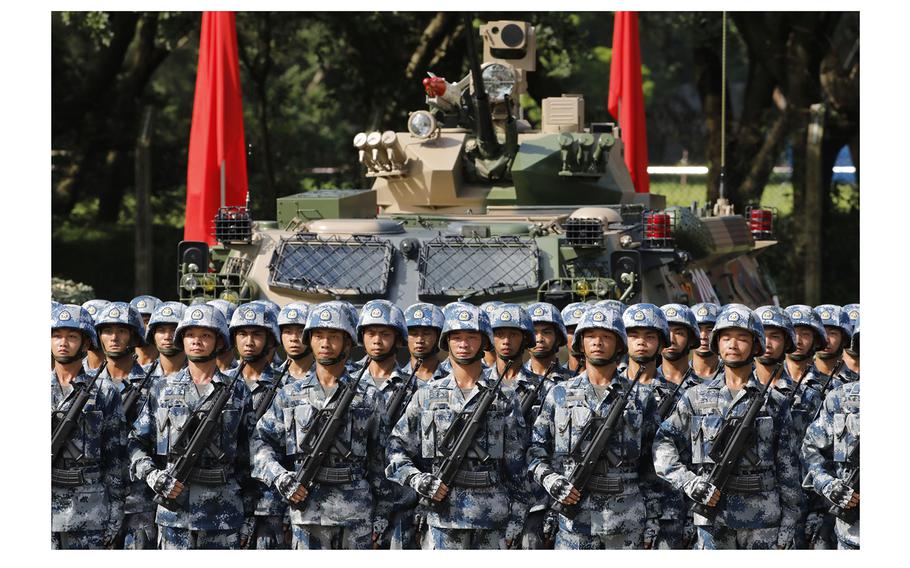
[(132, 396), (64, 430), (266, 401)]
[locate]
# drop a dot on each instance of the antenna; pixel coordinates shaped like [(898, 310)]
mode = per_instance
[(723, 207)]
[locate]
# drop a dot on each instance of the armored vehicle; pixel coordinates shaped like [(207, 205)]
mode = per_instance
[(470, 201)]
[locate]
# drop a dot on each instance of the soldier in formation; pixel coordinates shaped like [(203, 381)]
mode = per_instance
[(482, 449)]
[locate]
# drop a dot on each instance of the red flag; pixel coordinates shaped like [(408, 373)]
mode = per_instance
[(216, 136), (626, 101)]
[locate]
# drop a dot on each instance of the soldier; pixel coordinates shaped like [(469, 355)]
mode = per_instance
[(612, 506), (838, 331), (209, 509), (226, 359), (815, 529), (382, 331), (275, 309), (571, 315), (647, 334), (254, 334), (161, 331), (121, 331), (489, 357), (424, 323), (780, 340), (850, 357), (486, 505), (549, 337), (759, 507), (291, 322), (146, 306), (94, 356), (337, 511), (675, 378), (704, 361), (87, 479), (830, 455)]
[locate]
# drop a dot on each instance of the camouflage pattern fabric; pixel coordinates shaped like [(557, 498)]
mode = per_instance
[(465, 539), (354, 536), (172, 400), (97, 448), (694, 426), (77, 540), (415, 439), (176, 538), (826, 450), (568, 407)]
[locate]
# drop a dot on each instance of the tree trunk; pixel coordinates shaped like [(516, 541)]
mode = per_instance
[(815, 192), (143, 249), (435, 32)]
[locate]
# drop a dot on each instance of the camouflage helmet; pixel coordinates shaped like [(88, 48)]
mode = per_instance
[(424, 315), (705, 313), (226, 308), (54, 304), (94, 307), (835, 316), (166, 312), (543, 312), (614, 304), (330, 315), (513, 316), (294, 313), (72, 316), (272, 307), (255, 314), (738, 316), (461, 316), (145, 304), (382, 312), (123, 314), (852, 311), (600, 317), (773, 316), (854, 340), (682, 315), (573, 313), (203, 315), (489, 307), (801, 314), (646, 315)]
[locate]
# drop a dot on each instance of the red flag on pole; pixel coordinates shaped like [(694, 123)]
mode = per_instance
[(216, 169), (626, 101)]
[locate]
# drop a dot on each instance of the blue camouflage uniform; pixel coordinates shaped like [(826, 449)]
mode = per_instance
[(612, 509), (706, 313), (826, 455), (488, 501), (835, 316), (87, 482), (215, 502), (426, 315), (759, 508), (339, 510), (571, 315)]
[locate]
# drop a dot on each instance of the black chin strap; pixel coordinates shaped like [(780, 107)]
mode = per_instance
[(117, 355), (737, 364), (384, 356), (769, 361), (673, 356), (828, 356), (800, 357)]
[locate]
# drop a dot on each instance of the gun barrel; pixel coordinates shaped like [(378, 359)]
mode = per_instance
[(489, 146)]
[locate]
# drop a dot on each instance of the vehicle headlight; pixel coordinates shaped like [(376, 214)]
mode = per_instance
[(189, 282), (498, 81), (421, 124)]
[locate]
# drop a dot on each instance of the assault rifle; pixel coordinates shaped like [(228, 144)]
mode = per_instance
[(825, 388), (398, 404), (732, 443), (133, 393), (587, 462), (322, 439), (459, 438), (849, 516), (667, 404), (269, 395), (63, 431), (196, 437), (530, 396)]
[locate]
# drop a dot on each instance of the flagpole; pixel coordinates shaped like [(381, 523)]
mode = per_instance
[(222, 183)]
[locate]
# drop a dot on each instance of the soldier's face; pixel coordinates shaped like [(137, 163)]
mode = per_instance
[(378, 339), (328, 343), (805, 339), (679, 338), (465, 344), (507, 341), (643, 341), (735, 344), (835, 338), (598, 343), (146, 318), (292, 339), (115, 337), (544, 337), (164, 336), (250, 341), (65, 342), (570, 333), (199, 341), (704, 336), (421, 339), (775, 342)]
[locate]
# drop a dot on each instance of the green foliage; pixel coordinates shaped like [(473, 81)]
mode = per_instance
[(69, 292)]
